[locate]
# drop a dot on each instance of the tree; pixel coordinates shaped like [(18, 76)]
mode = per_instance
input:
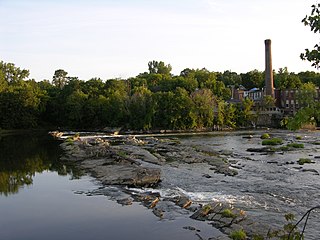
[(306, 95), (285, 80), (60, 78), (229, 78), (229, 115), (159, 67), (74, 109), (252, 79), (141, 109), (310, 76), (206, 79), (93, 87), (117, 103), (11, 74), (204, 103), (244, 112), (174, 110), (182, 116), (313, 21), (21, 105), (310, 108)]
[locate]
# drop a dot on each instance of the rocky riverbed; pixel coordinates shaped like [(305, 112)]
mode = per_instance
[(228, 180)]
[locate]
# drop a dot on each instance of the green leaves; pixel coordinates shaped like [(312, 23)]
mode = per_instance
[(313, 21)]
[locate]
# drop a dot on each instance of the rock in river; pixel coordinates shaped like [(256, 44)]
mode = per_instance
[(109, 165)]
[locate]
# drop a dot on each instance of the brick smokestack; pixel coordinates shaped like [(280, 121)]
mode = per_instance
[(269, 73)]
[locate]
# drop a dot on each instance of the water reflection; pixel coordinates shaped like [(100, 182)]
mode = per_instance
[(24, 155)]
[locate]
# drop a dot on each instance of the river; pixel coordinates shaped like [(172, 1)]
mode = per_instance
[(42, 198)]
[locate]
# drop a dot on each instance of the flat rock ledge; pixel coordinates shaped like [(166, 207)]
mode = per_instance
[(109, 164), (136, 162), (229, 219)]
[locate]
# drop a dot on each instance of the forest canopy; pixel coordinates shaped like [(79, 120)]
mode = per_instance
[(155, 99)]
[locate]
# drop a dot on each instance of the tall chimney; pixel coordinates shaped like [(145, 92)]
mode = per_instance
[(268, 71)]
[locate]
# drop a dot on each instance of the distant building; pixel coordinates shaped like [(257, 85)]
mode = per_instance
[(288, 101)]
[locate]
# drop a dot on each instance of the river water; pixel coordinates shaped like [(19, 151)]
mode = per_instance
[(42, 198), (268, 185)]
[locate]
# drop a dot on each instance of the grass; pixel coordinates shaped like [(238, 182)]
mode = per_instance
[(298, 137), (284, 148), (206, 209), (302, 161), (265, 136), (122, 154), (238, 235), (69, 140), (272, 141), (295, 145), (227, 213)]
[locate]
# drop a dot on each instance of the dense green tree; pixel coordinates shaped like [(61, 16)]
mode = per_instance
[(267, 102), (60, 78), (229, 115), (285, 80), (136, 82), (12, 74), (307, 95), (244, 113), (310, 76), (20, 105), (221, 91), (174, 110), (205, 79), (219, 116), (182, 116), (187, 80), (252, 79), (229, 78), (93, 87), (159, 68), (74, 109), (117, 94), (309, 111), (204, 104), (141, 109), (95, 112), (3, 82)]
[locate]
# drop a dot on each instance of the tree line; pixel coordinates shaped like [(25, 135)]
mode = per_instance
[(155, 99)]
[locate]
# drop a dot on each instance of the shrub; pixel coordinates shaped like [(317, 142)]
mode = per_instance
[(296, 145), (272, 141), (302, 161), (298, 137), (284, 148), (227, 213), (69, 140), (122, 154), (265, 136), (238, 235)]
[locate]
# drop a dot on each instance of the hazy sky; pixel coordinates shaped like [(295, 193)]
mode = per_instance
[(117, 38)]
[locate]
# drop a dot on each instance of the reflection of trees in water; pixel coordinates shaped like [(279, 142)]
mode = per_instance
[(22, 156)]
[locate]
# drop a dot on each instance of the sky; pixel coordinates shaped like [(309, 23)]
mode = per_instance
[(117, 38)]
